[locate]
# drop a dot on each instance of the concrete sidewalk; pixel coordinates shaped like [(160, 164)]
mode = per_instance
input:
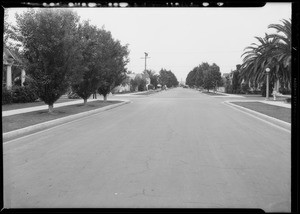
[(225, 95), (269, 102), (56, 105), (44, 107), (276, 103), (130, 94), (263, 100)]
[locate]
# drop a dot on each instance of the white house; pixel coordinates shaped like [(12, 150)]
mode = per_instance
[(11, 59)]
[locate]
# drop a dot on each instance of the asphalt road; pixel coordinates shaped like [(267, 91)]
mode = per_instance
[(178, 148)]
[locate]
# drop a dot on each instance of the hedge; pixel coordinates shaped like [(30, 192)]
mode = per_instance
[(7, 97), (24, 94)]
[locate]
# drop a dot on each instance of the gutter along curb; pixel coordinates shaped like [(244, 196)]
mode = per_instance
[(46, 125), (275, 121)]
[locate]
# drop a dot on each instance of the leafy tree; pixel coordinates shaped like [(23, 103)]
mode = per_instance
[(191, 77), (199, 77), (154, 80), (133, 84), (153, 77), (167, 78), (228, 85), (86, 82), (205, 75), (142, 85), (196, 76), (139, 82), (50, 50), (236, 80), (11, 37), (112, 63)]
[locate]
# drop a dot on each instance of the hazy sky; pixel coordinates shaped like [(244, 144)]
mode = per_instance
[(178, 39)]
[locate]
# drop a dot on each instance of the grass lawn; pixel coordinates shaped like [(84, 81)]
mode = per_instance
[(278, 112), (19, 121), (212, 93)]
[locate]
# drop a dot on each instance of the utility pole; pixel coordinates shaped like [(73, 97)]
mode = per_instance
[(146, 56)]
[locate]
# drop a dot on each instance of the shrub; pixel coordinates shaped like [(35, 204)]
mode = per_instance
[(283, 90), (142, 85), (238, 91), (228, 89), (6, 96), (245, 88), (150, 87), (24, 94), (288, 100), (263, 89), (17, 81), (256, 92)]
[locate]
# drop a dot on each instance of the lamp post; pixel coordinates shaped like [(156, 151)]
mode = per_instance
[(267, 88)]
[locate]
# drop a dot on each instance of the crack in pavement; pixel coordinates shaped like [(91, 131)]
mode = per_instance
[(144, 194), (219, 167)]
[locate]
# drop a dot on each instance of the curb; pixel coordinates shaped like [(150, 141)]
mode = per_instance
[(266, 118), (46, 125)]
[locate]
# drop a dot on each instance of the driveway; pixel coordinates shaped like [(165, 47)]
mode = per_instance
[(178, 148)]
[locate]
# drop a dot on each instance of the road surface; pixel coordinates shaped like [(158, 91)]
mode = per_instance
[(175, 149)]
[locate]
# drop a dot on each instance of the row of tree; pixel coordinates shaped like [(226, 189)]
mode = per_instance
[(59, 52), (167, 78), (205, 75), (164, 78)]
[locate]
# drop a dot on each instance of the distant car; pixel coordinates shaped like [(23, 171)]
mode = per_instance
[(185, 86)]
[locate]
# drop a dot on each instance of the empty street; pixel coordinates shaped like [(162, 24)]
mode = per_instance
[(174, 149)]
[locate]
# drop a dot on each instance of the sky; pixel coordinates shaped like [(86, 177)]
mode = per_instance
[(179, 39)]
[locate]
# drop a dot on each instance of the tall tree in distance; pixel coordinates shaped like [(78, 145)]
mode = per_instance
[(167, 78), (153, 77), (112, 63), (50, 50), (86, 80), (191, 78), (205, 75)]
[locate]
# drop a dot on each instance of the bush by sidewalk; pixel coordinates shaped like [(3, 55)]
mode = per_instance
[(24, 94), (7, 96), (18, 94)]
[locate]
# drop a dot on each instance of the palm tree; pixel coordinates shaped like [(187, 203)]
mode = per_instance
[(256, 58), (283, 47), (273, 51)]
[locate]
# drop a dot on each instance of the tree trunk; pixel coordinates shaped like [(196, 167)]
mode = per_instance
[(84, 101), (50, 108), (105, 98)]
